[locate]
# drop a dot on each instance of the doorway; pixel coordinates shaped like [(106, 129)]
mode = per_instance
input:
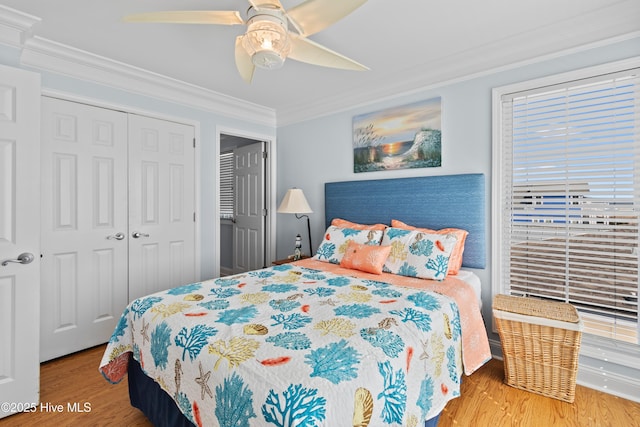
[(243, 199)]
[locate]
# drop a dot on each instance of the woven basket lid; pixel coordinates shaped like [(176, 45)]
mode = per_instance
[(536, 307)]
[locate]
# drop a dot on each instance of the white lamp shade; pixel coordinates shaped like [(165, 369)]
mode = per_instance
[(294, 202)]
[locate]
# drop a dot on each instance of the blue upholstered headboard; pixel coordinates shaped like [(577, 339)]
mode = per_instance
[(434, 202)]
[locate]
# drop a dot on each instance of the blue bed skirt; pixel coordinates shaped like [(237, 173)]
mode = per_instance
[(146, 395)]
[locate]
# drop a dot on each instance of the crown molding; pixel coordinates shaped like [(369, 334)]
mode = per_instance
[(448, 71), (55, 57), (602, 27), (16, 30), (15, 26), (42, 54)]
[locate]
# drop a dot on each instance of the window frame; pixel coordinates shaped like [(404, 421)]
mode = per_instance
[(595, 347)]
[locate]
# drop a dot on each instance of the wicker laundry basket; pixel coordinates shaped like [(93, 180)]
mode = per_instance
[(540, 344)]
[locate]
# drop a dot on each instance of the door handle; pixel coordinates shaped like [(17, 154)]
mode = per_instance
[(137, 234), (24, 258), (117, 236)]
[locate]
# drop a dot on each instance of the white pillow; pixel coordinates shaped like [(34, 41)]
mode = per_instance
[(336, 240), (418, 254)]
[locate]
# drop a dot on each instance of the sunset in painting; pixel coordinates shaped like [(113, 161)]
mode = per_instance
[(393, 148), (403, 137)]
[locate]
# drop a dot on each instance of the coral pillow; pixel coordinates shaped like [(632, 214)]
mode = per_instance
[(343, 223), (455, 261), (365, 257)]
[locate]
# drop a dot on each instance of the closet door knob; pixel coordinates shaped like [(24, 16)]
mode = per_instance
[(117, 236), (137, 234)]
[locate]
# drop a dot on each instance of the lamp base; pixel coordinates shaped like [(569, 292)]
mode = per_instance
[(308, 232)]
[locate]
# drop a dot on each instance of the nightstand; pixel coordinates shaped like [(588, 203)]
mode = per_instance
[(288, 260)]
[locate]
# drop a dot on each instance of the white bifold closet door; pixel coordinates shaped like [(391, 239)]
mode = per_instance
[(117, 218), (161, 205)]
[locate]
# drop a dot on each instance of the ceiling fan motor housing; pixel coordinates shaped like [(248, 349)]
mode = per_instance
[(267, 38)]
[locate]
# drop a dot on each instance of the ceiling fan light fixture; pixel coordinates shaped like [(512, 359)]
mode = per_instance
[(267, 42), (267, 39)]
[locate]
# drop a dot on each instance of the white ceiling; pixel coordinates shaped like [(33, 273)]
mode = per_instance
[(407, 44)]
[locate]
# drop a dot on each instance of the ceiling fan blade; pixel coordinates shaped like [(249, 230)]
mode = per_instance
[(305, 50), (316, 15), (221, 17), (243, 61)]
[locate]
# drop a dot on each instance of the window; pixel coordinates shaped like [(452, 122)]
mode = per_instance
[(567, 195), (226, 185)]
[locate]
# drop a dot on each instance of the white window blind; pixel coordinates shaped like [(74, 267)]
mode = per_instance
[(571, 197), (226, 185)]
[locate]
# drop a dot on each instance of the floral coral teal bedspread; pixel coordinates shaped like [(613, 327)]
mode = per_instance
[(294, 346)]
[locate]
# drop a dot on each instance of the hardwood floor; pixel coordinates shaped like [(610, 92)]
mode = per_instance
[(485, 401), (75, 378)]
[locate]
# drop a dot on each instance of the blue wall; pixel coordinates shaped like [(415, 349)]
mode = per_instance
[(316, 151), (319, 150)]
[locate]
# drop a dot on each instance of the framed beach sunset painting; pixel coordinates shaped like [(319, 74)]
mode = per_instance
[(402, 137)]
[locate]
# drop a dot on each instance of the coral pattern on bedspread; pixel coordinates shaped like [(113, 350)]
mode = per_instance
[(295, 346)]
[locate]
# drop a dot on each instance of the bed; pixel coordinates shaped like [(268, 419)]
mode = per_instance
[(318, 342)]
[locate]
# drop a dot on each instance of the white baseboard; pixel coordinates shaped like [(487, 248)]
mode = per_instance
[(609, 382)]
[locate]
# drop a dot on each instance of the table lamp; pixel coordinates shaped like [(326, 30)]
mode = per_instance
[(294, 202)]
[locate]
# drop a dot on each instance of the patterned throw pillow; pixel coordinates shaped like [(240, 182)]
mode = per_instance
[(417, 254), (455, 262), (365, 257), (336, 239)]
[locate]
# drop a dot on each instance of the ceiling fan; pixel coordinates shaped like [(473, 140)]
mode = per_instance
[(273, 33)]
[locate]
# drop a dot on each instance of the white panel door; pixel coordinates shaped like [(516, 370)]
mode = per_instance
[(161, 205), (84, 225), (19, 233), (249, 210)]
